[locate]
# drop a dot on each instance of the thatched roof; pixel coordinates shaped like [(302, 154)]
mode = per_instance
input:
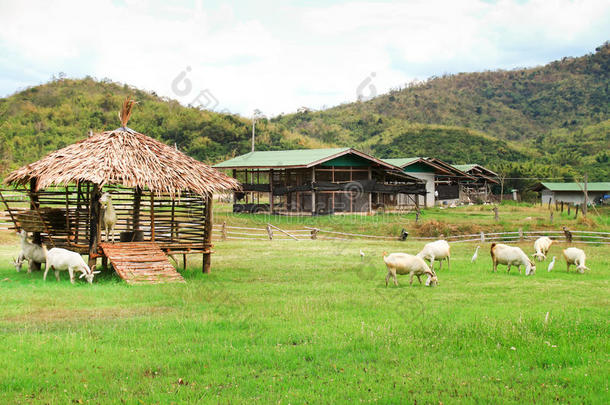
[(124, 157)]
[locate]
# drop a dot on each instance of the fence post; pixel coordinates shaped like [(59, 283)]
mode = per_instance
[(224, 230), (551, 217), (314, 233), (496, 216), (482, 237), (569, 206), (577, 207), (562, 206), (521, 234), (269, 232)]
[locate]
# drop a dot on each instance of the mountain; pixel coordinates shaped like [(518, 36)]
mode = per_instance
[(44, 118), (547, 121), (554, 117)]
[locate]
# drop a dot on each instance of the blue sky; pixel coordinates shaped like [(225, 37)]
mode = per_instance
[(277, 56)]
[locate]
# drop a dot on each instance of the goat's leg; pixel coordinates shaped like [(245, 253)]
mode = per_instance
[(495, 262), (394, 277), (57, 275), (46, 270), (411, 279), (112, 232), (567, 267), (419, 279), (387, 277), (71, 272), (448, 266)]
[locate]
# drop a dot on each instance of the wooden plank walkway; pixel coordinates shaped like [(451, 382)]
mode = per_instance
[(141, 263)]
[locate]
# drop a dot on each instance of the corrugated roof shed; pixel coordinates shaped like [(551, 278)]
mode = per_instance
[(593, 186), (296, 158)]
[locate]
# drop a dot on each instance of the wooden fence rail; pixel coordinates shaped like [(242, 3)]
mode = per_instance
[(226, 232)]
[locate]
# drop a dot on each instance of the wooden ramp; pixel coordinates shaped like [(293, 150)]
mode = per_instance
[(141, 263)]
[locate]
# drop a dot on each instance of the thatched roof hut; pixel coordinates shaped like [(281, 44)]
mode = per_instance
[(124, 157), (164, 197)]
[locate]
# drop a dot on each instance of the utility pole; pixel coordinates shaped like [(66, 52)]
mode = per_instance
[(257, 114), (584, 207)]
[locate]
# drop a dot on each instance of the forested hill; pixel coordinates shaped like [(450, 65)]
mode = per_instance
[(519, 104), (544, 121), (44, 118), (549, 121)]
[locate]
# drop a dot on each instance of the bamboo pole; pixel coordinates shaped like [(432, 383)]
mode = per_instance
[(94, 222), (207, 238)]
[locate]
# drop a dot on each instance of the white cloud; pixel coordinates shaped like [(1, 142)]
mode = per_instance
[(278, 57)]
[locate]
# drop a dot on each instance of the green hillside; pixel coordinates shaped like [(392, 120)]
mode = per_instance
[(549, 121), (44, 118), (546, 121)]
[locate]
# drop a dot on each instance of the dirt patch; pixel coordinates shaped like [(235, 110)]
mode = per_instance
[(437, 228), (70, 315)]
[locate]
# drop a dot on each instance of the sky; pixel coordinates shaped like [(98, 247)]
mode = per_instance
[(278, 56)]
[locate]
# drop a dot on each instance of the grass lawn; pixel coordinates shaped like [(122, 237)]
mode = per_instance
[(308, 321)]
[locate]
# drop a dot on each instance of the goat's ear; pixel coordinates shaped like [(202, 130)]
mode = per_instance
[(96, 272)]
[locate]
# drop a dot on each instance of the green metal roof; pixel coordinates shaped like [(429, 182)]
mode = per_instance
[(465, 168), (401, 162), (599, 186), (281, 158), (295, 158)]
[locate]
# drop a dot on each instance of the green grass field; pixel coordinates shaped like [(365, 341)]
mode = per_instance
[(309, 322)]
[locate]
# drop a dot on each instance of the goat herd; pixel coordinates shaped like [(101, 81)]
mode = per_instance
[(415, 265)]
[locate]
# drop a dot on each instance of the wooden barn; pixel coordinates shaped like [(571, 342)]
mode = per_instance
[(442, 180), (162, 200), (320, 181), (480, 188)]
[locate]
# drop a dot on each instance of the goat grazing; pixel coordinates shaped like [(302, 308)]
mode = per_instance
[(577, 257), (63, 259), (542, 246), (403, 263), (30, 252), (437, 250), (511, 256), (109, 215)]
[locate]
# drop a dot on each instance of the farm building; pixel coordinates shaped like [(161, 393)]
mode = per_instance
[(442, 180), (319, 181), (480, 189), (573, 193), (162, 199)]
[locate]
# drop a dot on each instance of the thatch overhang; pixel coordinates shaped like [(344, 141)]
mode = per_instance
[(127, 158)]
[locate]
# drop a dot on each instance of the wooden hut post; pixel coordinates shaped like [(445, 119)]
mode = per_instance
[(271, 191), (207, 235), (34, 204), (313, 191), (137, 198), (94, 224)]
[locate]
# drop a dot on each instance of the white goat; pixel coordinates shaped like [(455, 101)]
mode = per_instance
[(403, 263), (511, 255), (108, 216), (577, 257), (63, 259), (29, 251), (542, 246), (437, 250)]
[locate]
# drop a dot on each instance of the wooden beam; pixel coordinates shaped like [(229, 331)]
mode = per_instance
[(207, 235), (137, 198), (36, 238), (94, 224), (313, 192), (271, 191)]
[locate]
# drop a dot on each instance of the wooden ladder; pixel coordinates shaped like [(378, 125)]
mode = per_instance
[(141, 263)]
